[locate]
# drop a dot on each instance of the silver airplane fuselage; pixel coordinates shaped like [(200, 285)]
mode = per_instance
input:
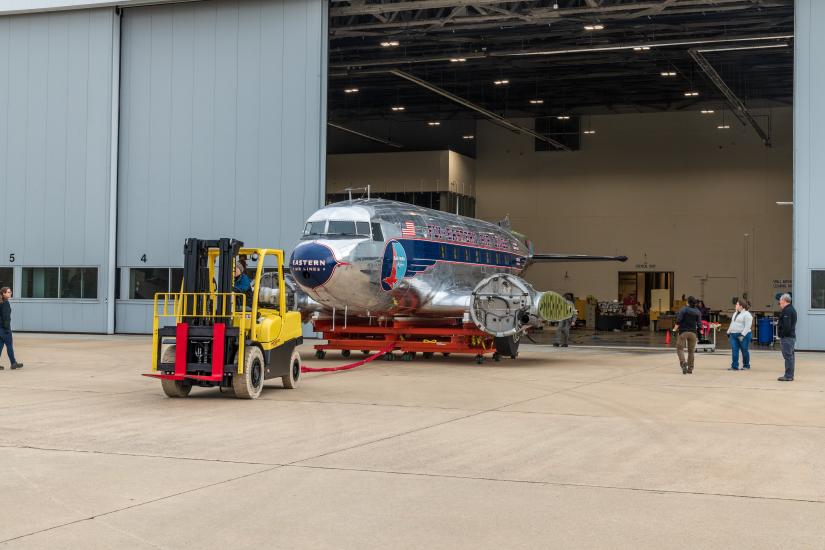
[(374, 257)]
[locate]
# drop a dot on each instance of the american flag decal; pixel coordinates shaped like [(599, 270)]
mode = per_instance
[(408, 229)]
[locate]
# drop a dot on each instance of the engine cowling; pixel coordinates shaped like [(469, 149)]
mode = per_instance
[(503, 304)]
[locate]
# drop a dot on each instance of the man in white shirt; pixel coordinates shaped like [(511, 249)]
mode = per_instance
[(740, 335)]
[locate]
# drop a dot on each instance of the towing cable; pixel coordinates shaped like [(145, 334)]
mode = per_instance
[(363, 361)]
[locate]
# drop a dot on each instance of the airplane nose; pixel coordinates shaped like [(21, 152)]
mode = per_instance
[(312, 264)]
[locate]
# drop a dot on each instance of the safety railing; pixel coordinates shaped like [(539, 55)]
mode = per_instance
[(207, 306)]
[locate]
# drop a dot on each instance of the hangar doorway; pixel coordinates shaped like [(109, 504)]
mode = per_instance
[(650, 290), (654, 129)]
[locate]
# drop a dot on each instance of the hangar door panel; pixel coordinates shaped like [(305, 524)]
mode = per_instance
[(55, 151), (221, 119)]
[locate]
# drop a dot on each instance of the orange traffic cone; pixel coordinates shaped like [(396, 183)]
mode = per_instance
[(667, 338)]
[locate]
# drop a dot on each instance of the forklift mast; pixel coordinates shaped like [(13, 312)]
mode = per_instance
[(196, 270)]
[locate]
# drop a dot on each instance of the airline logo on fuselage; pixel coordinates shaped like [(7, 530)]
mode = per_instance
[(394, 266), (312, 264)]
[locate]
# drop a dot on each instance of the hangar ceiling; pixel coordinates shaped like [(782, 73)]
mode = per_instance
[(556, 57)]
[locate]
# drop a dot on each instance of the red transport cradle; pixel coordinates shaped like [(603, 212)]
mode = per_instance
[(408, 337)]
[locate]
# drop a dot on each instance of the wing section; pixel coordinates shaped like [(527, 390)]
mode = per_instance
[(575, 258)]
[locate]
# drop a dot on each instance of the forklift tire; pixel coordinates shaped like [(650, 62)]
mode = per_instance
[(250, 384), (291, 380), (173, 388)]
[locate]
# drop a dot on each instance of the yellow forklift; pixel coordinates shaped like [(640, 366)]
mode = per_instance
[(209, 335)]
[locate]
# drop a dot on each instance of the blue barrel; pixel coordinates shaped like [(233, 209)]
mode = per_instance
[(765, 330)]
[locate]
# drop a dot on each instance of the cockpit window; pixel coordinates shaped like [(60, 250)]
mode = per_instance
[(315, 228), (362, 229), (376, 232), (341, 228), (333, 228)]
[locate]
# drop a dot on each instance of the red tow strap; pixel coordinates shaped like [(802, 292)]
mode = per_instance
[(364, 361)]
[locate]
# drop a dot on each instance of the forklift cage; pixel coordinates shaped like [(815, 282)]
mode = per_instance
[(214, 306)]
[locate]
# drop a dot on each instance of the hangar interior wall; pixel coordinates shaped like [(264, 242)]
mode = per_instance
[(809, 174), (413, 171), (219, 131), (55, 143), (666, 189)]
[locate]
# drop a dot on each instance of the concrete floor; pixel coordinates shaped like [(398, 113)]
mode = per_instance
[(563, 448)]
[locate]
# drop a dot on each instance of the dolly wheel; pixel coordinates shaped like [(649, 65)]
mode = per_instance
[(250, 383), (479, 359), (173, 388), (365, 351), (320, 354), (427, 355), (291, 380), (345, 353)]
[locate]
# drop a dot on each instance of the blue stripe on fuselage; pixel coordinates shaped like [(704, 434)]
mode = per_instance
[(423, 254)]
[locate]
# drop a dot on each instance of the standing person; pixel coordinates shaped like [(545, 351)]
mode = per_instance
[(688, 323), (739, 334), (563, 332), (787, 335), (5, 327)]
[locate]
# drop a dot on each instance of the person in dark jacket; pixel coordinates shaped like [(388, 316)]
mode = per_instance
[(688, 321), (787, 335), (242, 284), (5, 327)]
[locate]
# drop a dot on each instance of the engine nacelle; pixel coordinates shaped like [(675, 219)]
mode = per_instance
[(504, 304)]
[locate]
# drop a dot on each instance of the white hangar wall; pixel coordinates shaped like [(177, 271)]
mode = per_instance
[(221, 130), (129, 129), (55, 152), (809, 175)]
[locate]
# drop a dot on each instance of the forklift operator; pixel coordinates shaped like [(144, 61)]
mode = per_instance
[(242, 283)]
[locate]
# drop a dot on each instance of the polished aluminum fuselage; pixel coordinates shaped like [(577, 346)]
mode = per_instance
[(423, 263)]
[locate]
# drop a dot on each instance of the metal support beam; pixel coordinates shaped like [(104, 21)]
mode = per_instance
[(365, 136), (739, 109), (770, 39), (498, 119)]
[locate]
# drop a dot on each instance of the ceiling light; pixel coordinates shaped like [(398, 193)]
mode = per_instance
[(397, 108), (668, 73), (784, 203), (724, 127), (468, 136), (434, 123), (590, 132), (458, 60), (593, 27), (707, 111), (563, 117), (350, 90), (389, 44), (691, 94), (501, 82), (536, 102), (641, 48)]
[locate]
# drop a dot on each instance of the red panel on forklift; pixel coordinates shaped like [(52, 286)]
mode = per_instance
[(181, 342), (218, 352)]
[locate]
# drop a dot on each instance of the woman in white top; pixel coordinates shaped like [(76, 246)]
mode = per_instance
[(740, 335)]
